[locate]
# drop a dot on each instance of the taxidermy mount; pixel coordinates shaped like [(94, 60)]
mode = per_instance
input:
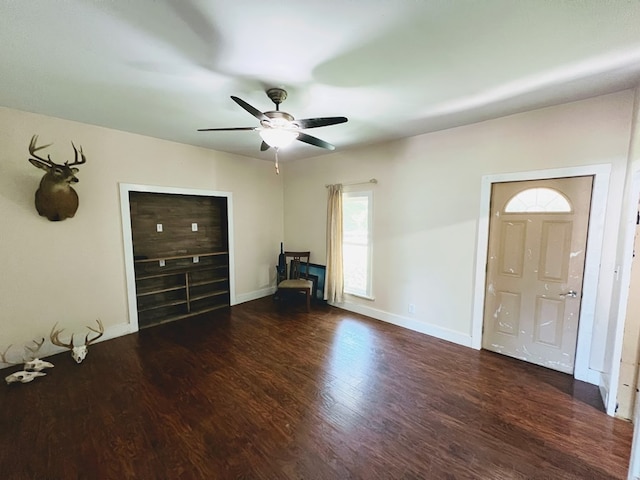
[(55, 199)]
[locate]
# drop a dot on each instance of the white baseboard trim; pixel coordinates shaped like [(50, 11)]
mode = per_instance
[(256, 294), (409, 323), (603, 384), (589, 376), (119, 330), (593, 377)]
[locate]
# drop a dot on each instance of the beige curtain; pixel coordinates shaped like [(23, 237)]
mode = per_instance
[(334, 282)]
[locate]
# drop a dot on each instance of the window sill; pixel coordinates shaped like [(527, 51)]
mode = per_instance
[(358, 295)]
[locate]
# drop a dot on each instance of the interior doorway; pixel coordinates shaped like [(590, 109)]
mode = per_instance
[(535, 265)]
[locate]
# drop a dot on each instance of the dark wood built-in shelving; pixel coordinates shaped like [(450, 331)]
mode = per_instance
[(179, 271)]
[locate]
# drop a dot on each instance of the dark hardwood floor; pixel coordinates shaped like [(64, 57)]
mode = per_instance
[(263, 391)]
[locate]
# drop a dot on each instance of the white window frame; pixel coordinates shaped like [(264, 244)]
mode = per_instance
[(368, 294)]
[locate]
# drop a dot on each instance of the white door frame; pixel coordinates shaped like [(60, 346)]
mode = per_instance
[(125, 188), (634, 462), (595, 234)]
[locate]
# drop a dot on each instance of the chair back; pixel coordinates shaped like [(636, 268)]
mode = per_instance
[(298, 264)]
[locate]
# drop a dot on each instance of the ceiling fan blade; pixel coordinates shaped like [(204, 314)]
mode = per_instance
[(319, 122), (303, 137), (252, 110), (264, 146), (225, 129)]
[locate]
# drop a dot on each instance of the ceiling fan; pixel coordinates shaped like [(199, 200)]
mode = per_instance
[(278, 129)]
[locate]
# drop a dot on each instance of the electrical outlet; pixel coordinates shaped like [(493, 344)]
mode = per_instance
[(194, 227), (159, 227), (162, 263), (412, 308), (196, 259)]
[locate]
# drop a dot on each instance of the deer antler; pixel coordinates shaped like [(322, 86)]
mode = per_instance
[(99, 331), (54, 337), (3, 357), (75, 161), (36, 349), (33, 149)]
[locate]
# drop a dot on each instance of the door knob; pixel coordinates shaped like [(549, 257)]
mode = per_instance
[(570, 293)]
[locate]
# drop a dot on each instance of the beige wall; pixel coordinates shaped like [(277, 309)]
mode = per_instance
[(73, 271), (426, 206)]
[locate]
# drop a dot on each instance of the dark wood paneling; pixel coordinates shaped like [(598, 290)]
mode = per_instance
[(259, 391), (176, 213)]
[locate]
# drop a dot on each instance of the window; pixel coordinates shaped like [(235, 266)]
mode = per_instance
[(356, 242), (538, 200)]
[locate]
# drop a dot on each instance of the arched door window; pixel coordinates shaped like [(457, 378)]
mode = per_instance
[(544, 200)]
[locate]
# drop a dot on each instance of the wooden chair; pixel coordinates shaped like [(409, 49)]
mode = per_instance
[(298, 281)]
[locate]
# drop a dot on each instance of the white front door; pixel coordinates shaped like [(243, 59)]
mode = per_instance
[(537, 249)]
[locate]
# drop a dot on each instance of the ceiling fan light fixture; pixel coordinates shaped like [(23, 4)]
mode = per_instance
[(278, 137), (277, 128)]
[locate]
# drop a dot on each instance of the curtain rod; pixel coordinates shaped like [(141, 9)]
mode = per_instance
[(373, 180)]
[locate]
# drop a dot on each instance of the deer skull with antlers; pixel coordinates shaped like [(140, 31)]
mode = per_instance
[(35, 364), (77, 352), (55, 199), (31, 369)]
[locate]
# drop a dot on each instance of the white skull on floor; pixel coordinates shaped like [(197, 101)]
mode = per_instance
[(23, 376), (37, 365)]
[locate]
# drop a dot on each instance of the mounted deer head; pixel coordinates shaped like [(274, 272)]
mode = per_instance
[(55, 199), (80, 352)]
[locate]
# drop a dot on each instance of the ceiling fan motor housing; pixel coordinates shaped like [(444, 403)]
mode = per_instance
[(277, 119), (277, 95)]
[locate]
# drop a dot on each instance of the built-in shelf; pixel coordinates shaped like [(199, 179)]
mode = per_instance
[(210, 282), (173, 318), (153, 291), (207, 295), (180, 255), (178, 289), (154, 306)]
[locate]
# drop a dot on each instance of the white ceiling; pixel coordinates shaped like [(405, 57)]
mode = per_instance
[(395, 68)]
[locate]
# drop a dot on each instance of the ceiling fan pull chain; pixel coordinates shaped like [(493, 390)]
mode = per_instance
[(277, 169)]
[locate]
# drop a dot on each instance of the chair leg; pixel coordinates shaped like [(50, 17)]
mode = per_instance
[(308, 292)]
